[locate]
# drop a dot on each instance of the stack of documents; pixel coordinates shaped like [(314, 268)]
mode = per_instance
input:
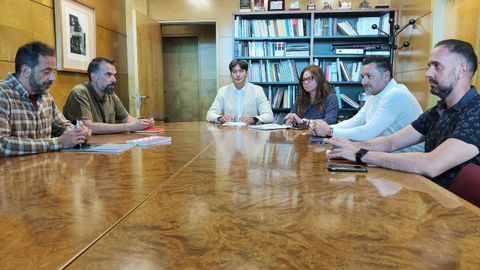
[(269, 127), (150, 130)]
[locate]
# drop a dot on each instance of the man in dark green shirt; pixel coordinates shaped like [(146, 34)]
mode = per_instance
[(95, 103)]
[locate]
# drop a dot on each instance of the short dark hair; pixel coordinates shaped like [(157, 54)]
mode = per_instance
[(462, 48), (95, 64), (28, 54), (240, 62), (382, 62)]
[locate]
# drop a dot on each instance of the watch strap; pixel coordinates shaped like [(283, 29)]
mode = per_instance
[(359, 155)]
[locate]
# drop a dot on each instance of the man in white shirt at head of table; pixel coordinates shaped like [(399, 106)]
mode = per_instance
[(240, 101)]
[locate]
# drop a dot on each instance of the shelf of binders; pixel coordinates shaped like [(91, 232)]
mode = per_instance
[(285, 25), (272, 49), (278, 45)]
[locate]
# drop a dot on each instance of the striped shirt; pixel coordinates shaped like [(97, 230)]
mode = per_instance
[(24, 130)]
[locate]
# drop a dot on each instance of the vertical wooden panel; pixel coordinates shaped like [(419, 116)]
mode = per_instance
[(26, 20), (180, 65), (5, 68), (44, 26), (463, 25), (410, 63), (110, 14), (207, 60), (149, 65)]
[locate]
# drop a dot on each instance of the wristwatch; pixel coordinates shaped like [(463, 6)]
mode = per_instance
[(359, 155), (305, 122)]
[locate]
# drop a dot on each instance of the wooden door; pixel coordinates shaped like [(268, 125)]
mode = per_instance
[(181, 78), (150, 77)]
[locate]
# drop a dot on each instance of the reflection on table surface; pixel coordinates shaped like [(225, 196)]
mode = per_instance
[(226, 197)]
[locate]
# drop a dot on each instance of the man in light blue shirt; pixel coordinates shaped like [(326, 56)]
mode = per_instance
[(389, 107), (240, 101)]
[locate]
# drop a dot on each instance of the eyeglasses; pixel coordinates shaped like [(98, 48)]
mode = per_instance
[(308, 79)]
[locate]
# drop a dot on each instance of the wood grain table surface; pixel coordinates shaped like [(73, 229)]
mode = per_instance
[(225, 198)]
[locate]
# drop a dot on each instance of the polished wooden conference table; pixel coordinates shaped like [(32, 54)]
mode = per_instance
[(225, 198)]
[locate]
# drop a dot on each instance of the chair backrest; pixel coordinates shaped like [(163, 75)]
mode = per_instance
[(467, 184)]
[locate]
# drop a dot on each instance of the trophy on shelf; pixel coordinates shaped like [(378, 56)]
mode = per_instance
[(364, 4), (326, 6), (310, 5), (258, 5), (344, 5)]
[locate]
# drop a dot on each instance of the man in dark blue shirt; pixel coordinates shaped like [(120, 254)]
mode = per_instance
[(451, 129)]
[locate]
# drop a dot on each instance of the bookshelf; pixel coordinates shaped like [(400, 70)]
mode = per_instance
[(278, 45)]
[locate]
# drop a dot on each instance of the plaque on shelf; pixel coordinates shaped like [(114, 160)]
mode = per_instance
[(294, 5), (245, 5), (276, 5)]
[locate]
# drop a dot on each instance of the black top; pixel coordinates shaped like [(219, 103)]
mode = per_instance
[(461, 122)]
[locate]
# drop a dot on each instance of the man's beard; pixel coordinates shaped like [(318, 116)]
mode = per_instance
[(442, 91), (109, 89), (39, 88)]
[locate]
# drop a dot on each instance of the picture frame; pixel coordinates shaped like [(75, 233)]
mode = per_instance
[(75, 35), (276, 5), (245, 5)]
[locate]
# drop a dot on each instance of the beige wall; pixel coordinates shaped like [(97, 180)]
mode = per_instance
[(26, 20)]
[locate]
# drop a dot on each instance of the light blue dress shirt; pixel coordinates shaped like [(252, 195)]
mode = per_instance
[(239, 93)]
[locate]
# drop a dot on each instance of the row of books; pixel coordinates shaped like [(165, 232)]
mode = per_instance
[(351, 27), (282, 48), (281, 97), (339, 71), (269, 48), (284, 97), (273, 71), (295, 27)]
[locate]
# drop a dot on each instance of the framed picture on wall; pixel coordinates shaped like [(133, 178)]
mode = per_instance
[(74, 35), (275, 5)]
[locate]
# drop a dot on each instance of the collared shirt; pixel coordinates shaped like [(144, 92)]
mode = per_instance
[(383, 114), (239, 93), (84, 103), (24, 130), (461, 122), (329, 113)]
